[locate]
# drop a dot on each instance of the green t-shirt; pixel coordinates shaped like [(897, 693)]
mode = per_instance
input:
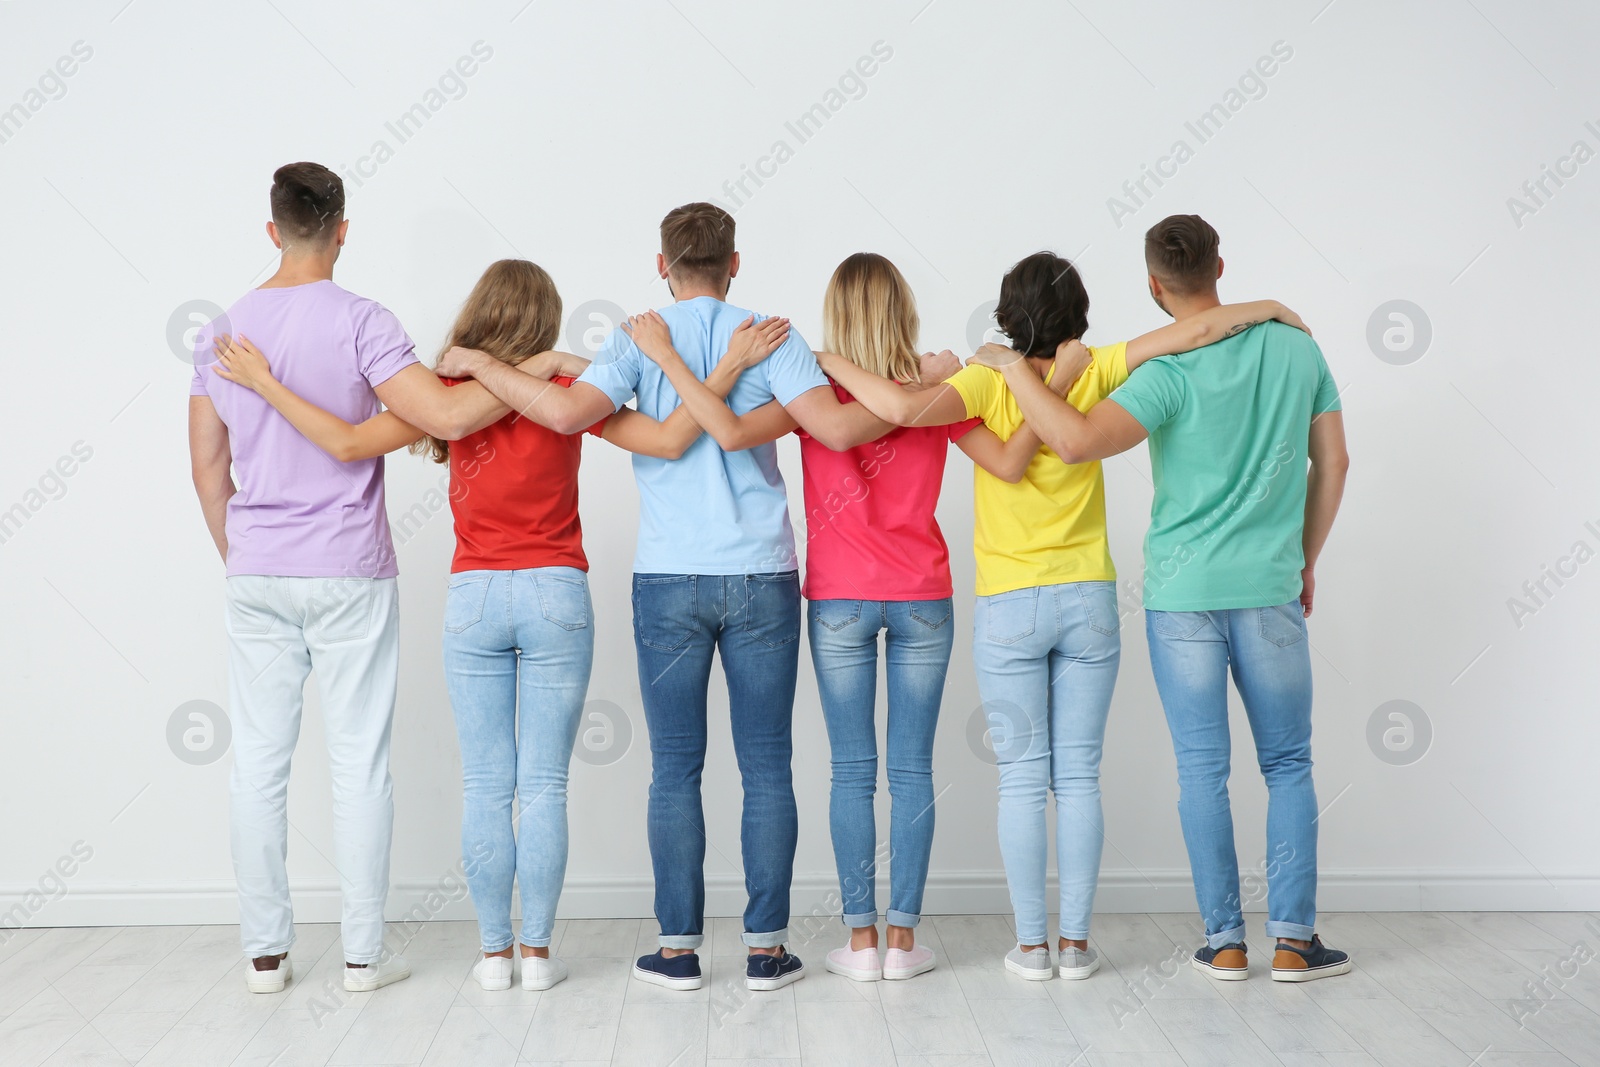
[(1229, 426)]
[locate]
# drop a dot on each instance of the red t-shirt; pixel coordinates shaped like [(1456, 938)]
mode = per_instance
[(514, 494), (870, 529)]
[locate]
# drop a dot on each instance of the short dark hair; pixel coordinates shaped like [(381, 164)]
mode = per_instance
[(1181, 251), (1042, 303), (307, 202), (697, 241)]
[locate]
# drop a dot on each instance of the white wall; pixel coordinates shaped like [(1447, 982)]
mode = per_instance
[(1376, 165)]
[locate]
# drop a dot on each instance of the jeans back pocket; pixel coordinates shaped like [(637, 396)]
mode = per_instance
[(563, 597), (464, 601), (1283, 625), (664, 610), (1006, 618)]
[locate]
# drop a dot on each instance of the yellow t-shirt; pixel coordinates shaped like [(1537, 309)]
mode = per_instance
[(1049, 528)]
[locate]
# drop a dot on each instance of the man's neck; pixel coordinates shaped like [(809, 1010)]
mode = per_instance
[(1181, 308), (695, 293), (300, 270)]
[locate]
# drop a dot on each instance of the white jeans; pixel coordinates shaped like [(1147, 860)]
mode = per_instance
[(279, 629)]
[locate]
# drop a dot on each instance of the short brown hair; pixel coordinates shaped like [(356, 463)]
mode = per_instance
[(1181, 251), (697, 241), (307, 202)]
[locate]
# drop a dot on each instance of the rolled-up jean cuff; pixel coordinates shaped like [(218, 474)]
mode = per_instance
[(865, 918), (366, 959), (538, 942), (1234, 936), (286, 946), (689, 941), (767, 940), (1292, 931), (491, 949), (903, 918)]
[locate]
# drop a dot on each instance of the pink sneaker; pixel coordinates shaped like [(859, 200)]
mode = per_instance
[(899, 963), (859, 965)]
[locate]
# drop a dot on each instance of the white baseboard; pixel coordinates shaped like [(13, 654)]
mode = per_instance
[(814, 894)]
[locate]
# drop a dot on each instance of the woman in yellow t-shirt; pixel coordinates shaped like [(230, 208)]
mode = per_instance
[(1046, 639)]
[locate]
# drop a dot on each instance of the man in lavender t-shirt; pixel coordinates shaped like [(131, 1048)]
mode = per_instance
[(311, 569)]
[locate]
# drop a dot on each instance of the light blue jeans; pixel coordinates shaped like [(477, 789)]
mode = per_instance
[(844, 648), (517, 653), (1046, 660), (1191, 653)]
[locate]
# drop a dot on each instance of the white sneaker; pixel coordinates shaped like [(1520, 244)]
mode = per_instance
[(542, 972), (1077, 963), (387, 971), (271, 981), (493, 972)]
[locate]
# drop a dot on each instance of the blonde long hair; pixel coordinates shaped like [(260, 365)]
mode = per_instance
[(869, 316), (512, 313)]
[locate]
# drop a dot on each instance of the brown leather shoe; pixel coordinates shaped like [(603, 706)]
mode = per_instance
[(1226, 964)]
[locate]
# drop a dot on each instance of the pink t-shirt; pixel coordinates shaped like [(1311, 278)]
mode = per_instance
[(870, 528), (299, 512)]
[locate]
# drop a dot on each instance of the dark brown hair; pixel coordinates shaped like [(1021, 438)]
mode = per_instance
[(307, 203), (1181, 251), (514, 312), (697, 240), (1042, 303)]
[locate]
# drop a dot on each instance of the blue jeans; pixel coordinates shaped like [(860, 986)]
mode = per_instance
[(753, 622), (844, 648), (1046, 660), (517, 653), (1191, 653)]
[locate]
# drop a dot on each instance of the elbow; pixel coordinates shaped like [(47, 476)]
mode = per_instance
[(565, 423), (348, 453)]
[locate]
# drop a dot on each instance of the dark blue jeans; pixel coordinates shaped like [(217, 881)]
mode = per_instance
[(753, 622)]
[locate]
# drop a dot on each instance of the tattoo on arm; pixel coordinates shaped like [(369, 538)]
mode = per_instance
[(1243, 326)]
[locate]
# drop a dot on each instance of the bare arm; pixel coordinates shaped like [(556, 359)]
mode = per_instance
[(896, 404), (750, 344), (671, 437), (210, 460), (241, 362), (1007, 460), (1330, 464), (418, 396), (1208, 327)]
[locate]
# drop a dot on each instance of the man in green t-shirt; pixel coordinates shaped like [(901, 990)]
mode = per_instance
[(1248, 455)]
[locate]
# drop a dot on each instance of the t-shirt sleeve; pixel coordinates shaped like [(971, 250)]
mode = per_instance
[(1153, 396), (1327, 396), (616, 369), (382, 347), (958, 430), (1110, 366), (197, 381), (979, 387), (598, 429), (792, 369)]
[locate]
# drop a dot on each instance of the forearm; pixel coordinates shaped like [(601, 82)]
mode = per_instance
[(1016, 452), (704, 406), (888, 400), (534, 398), (214, 493), (1054, 422), (672, 436), (327, 431), (1324, 491)]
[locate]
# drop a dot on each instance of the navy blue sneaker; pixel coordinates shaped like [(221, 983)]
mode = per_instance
[(1226, 964), (670, 972), (1290, 964), (765, 972)]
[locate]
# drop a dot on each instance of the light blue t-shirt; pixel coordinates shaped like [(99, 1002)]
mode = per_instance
[(709, 511)]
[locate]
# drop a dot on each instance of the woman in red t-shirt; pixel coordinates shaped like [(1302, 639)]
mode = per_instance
[(518, 645), (875, 562)]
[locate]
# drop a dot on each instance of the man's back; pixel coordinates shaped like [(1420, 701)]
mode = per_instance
[(1228, 428), (710, 511), (298, 511)]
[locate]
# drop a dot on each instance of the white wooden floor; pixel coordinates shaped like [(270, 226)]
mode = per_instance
[(1429, 990)]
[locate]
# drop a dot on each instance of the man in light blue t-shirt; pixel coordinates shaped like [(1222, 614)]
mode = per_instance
[(1248, 457), (715, 572)]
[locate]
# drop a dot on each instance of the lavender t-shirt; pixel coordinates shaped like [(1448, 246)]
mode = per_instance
[(299, 512)]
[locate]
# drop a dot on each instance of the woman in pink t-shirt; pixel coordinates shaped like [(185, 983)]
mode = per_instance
[(875, 562)]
